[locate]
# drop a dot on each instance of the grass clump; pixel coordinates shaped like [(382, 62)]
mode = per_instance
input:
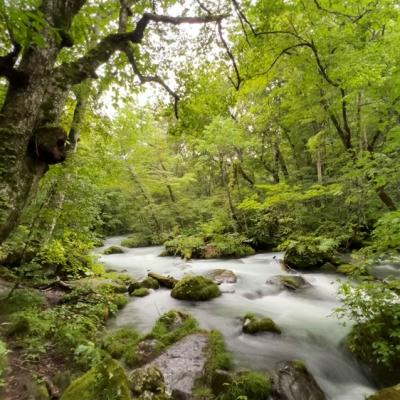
[(122, 344), (198, 288), (105, 381), (3, 362), (218, 357), (249, 385), (22, 299), (173, 326)]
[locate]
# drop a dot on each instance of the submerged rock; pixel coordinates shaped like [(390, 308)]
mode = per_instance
[(198, 288), (113, 250), (391, 393), (253, 324), (291, 282), (222, 276), (168, 282), (292, 381), (104, 381)]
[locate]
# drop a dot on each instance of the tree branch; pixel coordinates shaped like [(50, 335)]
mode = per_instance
[(352, 18), (239, 79), (155, 78), (86, 66)]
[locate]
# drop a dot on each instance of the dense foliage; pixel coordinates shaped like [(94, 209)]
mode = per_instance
[(287, 139)]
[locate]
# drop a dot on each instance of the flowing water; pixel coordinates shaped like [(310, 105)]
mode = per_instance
[(310, 331)]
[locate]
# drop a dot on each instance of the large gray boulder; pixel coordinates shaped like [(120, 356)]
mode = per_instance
[(183, 364)]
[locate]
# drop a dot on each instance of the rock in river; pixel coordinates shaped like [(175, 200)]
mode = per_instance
[(195, 287), (253, 324), (222, 276), (291, 282), (183, 363), (165, 281), (292, 381)]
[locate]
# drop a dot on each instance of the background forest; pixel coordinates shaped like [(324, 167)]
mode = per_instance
[(287, 137)]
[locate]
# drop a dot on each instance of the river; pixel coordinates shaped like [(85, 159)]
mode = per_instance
[(310, 331)]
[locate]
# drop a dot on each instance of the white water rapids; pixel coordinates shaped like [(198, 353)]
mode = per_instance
[(309, 330)]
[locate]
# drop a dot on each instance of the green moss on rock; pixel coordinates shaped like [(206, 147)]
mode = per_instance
[(104, 382), (253, 325), (141, 292), (113, 250), (150, 283), (197, 288), (166, 281), (173, 326), (148, 383)]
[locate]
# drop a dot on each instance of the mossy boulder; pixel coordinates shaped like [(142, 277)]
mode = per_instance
[(309, 252), (291, 282), (347, 269), (310, 259), (220, 276), (103, 382), (173, 326), (137, 240), (166, 281), (113, 250), (391, 393), (148, 384), (141, 292), (252, 325), (198, 288), (292, 381), (150, 283), (40, 391), (250, 385)]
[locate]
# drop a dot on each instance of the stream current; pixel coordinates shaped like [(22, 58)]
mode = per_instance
[(310, 332)]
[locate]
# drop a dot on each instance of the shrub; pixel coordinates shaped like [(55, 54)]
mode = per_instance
[(375, 338), (248, 385), (3, 362), (22, 299)]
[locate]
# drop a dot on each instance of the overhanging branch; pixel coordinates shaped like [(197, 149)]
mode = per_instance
[(154, 78), (86, 66)]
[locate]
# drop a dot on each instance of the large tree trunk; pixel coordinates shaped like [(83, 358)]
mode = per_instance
[(30, 139), (28, 144)]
